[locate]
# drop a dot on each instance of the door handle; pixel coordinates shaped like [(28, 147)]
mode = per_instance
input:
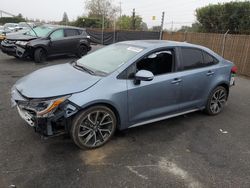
[(209, 73), (176, 81)]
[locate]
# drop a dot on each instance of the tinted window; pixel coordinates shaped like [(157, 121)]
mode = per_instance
[(160, 62), (192, 58), (58, 34), (71, 32), (208, 59)]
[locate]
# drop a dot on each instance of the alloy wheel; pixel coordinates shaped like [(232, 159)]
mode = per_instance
[(96, 128), (218, 100)]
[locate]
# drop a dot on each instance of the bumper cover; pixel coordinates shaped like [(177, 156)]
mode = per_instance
[(12, 49)]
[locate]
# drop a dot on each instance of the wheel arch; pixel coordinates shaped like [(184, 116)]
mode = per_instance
[(223, 84), (108, 105)]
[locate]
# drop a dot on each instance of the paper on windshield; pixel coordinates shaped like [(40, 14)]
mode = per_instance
[(134, 49)]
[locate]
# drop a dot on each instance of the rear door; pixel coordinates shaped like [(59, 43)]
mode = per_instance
[(198, 73), (72, 36)]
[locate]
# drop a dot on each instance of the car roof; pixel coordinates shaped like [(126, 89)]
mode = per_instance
[(61, 26), (152, 44), (159, 43)]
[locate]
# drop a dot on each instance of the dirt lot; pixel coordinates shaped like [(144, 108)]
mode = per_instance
[(194, 150)]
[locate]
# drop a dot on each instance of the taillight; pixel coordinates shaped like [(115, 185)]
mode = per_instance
[(234, 70)]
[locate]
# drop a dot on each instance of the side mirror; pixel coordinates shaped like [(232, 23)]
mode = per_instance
[(143, 75)]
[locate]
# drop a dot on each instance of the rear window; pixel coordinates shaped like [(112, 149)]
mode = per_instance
[(209, 59), (192, 58)]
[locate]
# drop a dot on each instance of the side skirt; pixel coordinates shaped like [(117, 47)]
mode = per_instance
[(162, 118)]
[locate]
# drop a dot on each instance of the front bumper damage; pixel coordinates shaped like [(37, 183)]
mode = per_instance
[(10, 48), (56, 124)]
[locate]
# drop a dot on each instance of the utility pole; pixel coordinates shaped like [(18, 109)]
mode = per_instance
[(133, 20), (172, 26), (162, 24), (103, 27), (120, 3)]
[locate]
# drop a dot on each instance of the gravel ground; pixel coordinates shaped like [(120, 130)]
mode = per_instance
[(193, 150)]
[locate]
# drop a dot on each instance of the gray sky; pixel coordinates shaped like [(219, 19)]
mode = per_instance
[(181, 12)]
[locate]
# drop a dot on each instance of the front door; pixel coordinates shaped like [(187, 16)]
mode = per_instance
[(158, 97), (58, 43)]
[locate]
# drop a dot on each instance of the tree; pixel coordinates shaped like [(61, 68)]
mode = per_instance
[(218, 18), (99, 8), (156, 28), (87, 22), (194, 28), (65, 19), (125, 22)]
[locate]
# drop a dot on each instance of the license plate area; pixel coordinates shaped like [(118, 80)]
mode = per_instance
[(26, 117), (232, 80)]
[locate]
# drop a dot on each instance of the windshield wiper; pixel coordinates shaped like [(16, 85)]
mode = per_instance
[(83, 68)]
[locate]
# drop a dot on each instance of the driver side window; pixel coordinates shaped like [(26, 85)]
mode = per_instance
[(160, 62), (58, 34)]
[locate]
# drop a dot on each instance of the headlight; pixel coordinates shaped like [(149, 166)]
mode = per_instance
[(21, 43), (44, 107)]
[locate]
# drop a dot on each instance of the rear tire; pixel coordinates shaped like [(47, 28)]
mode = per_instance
[(82, 50), (93, 127), (216, 100), (40, 55)]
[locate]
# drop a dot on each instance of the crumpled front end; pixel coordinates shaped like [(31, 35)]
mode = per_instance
[(49, 116)]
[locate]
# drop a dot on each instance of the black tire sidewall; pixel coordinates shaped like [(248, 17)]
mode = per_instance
[(79, 118), (208, 110), (82, 50), (37, 55)]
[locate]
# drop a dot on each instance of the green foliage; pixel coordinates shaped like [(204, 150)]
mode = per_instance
[(194, 28), (87, 22), (218, 18), (65, 19), (126, 22), (15, 19)]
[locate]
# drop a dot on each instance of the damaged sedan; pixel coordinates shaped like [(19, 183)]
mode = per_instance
[(120, 86)]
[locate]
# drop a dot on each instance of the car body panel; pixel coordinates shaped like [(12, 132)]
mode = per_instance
[(61, 79)]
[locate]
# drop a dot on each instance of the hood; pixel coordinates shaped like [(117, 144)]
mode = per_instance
[(55, 81), (20, 36)]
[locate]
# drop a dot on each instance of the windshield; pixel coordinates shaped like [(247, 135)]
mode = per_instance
[(41, 31), (109, 58)]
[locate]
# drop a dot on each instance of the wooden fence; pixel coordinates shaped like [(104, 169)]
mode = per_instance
[(236, 47)]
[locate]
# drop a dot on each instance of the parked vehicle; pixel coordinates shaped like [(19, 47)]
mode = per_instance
[(121, 86), (47, 40), (24, 26), (3, 32), (10, 26)]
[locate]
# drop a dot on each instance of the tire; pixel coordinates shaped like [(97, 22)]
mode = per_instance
[(40, 55), (216, 100), (82, 50), (93, 127)]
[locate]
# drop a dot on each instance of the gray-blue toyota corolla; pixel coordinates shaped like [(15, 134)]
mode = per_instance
[(120, 86)]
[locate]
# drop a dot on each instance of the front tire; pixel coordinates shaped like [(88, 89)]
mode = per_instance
[(216, 100), (93, 127), (40, 55)]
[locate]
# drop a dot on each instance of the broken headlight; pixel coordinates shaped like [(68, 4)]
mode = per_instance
[(43, 107), (21, 43)]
